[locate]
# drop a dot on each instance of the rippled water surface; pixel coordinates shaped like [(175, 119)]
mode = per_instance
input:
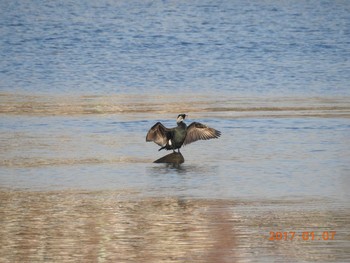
[(81, 82)]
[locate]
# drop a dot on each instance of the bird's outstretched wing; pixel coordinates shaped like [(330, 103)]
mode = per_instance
[(158, 134), (198, 131)]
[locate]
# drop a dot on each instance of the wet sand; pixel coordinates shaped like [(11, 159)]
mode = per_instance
[(212, 105), (109, 226)]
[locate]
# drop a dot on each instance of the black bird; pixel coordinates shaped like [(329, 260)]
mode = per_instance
[(174, 138)]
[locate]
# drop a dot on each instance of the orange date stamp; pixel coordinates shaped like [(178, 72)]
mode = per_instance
[(306, 235)]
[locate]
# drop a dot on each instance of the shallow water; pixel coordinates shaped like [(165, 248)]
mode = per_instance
[(81, 84), (302, 149)]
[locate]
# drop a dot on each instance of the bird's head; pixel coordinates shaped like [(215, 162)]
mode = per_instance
[(180, 118)]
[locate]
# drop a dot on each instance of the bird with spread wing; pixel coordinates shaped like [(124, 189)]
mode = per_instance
[(174, 138)]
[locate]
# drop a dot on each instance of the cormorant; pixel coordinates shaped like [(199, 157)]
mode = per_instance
[(174, 138)]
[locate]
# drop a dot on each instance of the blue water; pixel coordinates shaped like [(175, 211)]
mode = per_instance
[(222, 47)]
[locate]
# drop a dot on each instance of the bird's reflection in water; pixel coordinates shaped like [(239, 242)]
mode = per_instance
[(169, 168), (187, 180)]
